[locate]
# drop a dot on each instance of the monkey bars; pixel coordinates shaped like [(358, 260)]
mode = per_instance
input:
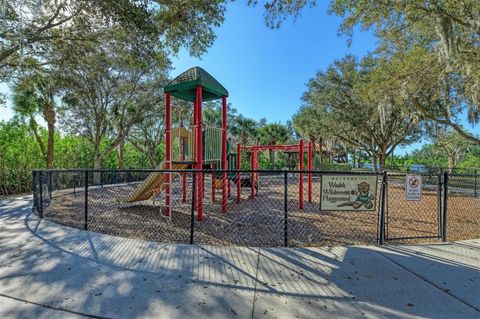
[(293, 148)]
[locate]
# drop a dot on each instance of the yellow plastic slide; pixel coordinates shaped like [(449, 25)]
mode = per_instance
[(152, 185)]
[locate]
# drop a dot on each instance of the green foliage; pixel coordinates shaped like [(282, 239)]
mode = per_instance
[(345, 102), (277, 11), (471, 160), (273, 134), (430, 48), (21, 154), (212, 114), (33, 27), (244, 130), (434, 156), (428, 155), (435, 48), (264, 161)]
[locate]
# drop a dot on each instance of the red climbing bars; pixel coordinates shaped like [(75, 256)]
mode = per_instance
[(309, 167), (252, 174), (300, 176)]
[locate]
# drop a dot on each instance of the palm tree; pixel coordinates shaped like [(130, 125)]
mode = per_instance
[(245, 130), (273, 134), (34, 96)]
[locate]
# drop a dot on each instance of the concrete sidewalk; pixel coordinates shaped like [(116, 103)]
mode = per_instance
[(51, 271)]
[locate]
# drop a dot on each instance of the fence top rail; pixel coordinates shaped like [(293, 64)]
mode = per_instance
[(261, 171), (463, 175), (418, 166), (431, 174)]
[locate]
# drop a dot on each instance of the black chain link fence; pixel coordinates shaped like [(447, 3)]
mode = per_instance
[(408, 219), (463, 206), (260, 208)]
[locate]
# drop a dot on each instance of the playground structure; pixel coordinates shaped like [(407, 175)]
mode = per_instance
[(203, 147), (277, 216), (299, 148), (198, 147)]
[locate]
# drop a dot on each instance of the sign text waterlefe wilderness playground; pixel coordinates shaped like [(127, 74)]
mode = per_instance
[(348, 192)]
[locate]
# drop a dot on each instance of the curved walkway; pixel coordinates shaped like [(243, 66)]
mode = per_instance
[(51, 271)]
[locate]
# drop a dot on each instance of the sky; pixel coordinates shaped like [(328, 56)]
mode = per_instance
[(265, 70)]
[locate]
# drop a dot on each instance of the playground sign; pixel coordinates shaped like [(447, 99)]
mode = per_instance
[(413, 187), (348, 192)]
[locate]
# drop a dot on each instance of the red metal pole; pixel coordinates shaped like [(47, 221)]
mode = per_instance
[(255, 163), (309, 163), (239, 182), (252, 174), (213, 183), (184, 175), (195, 120), (168, 147), (300, 177), (194, 149), (224, 154), (199, 154)]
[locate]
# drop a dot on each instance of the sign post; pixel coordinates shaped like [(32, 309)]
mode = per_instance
[(413, 187)]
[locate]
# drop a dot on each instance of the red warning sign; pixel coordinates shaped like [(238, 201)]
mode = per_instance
[(413, 187)]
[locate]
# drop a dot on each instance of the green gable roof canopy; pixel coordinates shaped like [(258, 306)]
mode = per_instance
[(184, 86)]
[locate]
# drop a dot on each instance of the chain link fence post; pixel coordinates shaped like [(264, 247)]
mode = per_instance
[(34, 191), (50, 184), (285, 209), (40, 182), (475, 182), (445, 201), (192, 209), (439, 204), (85, 227), (382, 208)]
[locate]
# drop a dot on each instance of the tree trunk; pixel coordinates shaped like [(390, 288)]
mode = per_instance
[(354, 157), (152, 158), (120, 152), (374, 163), (451, 164), (50, 145), (382, 160), (38, 138), (321, 151), (97, 159), (272, 159), (97, 164)]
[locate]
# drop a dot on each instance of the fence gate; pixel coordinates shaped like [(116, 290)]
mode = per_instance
[(463, 201), (407, 220)]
